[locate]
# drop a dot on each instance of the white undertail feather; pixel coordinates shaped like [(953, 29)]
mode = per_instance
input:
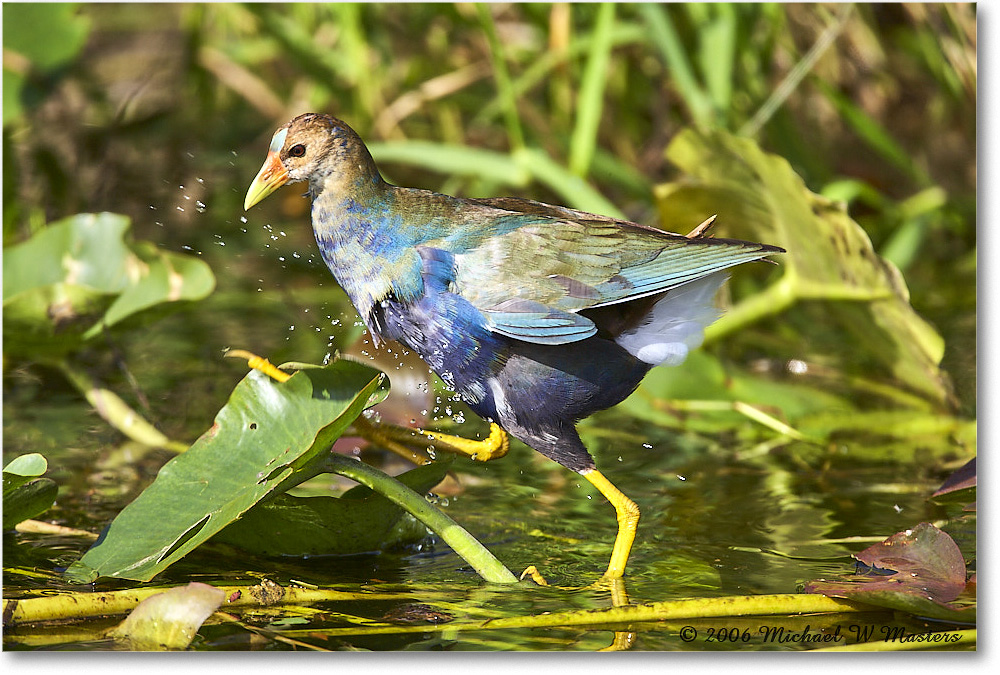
[(676, 324)]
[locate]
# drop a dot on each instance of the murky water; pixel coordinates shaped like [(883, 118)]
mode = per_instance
[(712, 525)]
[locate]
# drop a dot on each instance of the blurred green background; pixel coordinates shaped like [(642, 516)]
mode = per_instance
[(162, 112)]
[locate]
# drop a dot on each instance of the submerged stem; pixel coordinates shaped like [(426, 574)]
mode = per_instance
[(117, 412), (463, 543)]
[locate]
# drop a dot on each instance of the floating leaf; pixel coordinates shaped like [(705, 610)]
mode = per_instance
[(169, 620), (920, 571), (358, 521), (962, 479), (960, 486), (25, 494), (265, 433)]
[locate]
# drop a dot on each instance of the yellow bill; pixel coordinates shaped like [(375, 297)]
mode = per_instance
[(271, 176)]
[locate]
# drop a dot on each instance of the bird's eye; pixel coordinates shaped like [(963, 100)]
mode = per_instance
[(297, 150)]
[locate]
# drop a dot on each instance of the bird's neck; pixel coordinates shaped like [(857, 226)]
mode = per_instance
[(365, 240)]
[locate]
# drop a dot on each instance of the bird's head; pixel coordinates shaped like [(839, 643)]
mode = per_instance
[(311, 147)]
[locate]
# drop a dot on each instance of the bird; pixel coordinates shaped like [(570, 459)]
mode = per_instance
[(536, 315)]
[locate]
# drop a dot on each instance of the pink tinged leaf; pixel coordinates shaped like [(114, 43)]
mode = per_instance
[(960, 480), (926, 561)]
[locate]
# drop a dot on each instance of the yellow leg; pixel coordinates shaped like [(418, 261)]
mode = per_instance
[(391, 436), (628, 521), (492, 447), (259, 363), (376, 434)]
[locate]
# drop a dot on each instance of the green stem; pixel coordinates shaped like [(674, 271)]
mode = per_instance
[(117, 412), (463, 543), (79, 605), (673, 610), (574, 190), (794, 77), (589, 103), (505, 88), (772, 300), (665, 37), (962, 638)]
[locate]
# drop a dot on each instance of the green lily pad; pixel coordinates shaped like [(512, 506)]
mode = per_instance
[(359, 521), (78, 276), (703, 377), (263, 439), (25, 493)]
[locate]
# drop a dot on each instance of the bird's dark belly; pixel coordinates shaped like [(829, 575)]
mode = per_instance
[(535, 392)]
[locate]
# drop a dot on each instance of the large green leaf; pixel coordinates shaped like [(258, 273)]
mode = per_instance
[(830, 258), (357, 522), (266, 434), (78, 276)]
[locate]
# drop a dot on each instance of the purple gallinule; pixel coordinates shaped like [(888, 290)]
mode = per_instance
[(536, 315)]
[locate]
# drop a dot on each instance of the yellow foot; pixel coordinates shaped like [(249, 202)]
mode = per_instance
[(623, 640), (493, 446), (535, 575)]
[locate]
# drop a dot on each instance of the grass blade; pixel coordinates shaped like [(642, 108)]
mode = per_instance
[(590, 101), (666, 39)]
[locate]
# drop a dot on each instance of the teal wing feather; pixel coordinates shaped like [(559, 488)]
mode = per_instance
[(531, 282)]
